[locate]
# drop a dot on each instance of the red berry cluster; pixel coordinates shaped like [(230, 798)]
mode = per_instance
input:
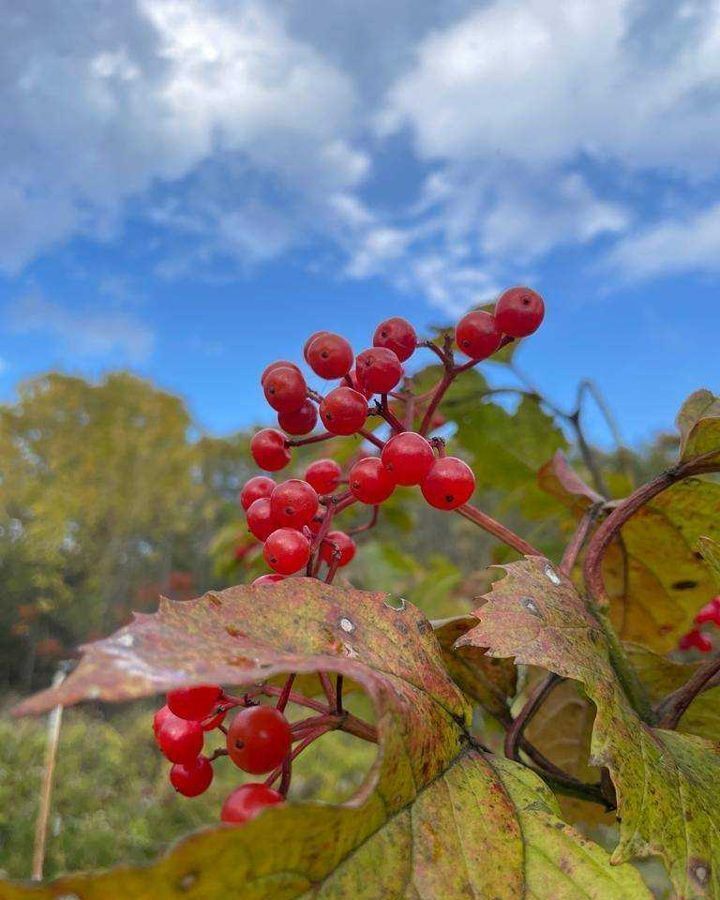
[(695, 638), (292, 518), (258, 741)]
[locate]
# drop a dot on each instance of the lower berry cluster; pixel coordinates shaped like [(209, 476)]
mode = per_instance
[(695, 639)]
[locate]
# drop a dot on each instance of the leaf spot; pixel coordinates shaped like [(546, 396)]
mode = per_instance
[(684, 585), (552, 574), (187, 881), (530, 605), (93, 694), (700, 871), (398, 604), (126, 640), (347, 625)]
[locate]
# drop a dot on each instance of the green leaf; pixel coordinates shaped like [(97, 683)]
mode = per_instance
[(661, 676), (668, 784), (699, 424), (558, 478), (435, 818)]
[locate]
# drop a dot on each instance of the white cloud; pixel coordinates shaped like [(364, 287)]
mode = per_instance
[(83, 332), (673, 245)]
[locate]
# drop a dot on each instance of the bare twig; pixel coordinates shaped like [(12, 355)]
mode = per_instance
[(500, 531)]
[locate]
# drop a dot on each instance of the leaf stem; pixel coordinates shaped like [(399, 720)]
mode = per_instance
[(672, 708)]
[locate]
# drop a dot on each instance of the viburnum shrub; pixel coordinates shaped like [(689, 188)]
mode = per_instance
[(586, 660)]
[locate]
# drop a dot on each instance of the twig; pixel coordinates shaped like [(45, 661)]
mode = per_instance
[(578, 539), (672, 707), (525, 716), (373, 439)]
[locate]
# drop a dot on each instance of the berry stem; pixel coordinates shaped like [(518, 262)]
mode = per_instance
[(339, 695), (285, 695), (216, 754), (296, 751), (350, 723), (372, 438), (368, 525), (671, 709), (286, 770), (313, 439), (439, 393), (327, 688), (382, 409), (500, 531)]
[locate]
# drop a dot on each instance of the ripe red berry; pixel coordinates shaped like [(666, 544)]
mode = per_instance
[(285, 389), (695, 639), (324, 475), (709, 613), (407, 457), (163, 715), (344, 411), (519, 312), (260, 519), (214, 721), (329, 355), (259, 739), (309, 341), (449, 483), (315, 524), (180, 740), (357, 386), (269, 450), (299, 421), (280, 363), (398, 335), (340, 542), (378, 369), (194, 703), (270, 578), (248, 801), (370, 481), (293, 503), (192, 779), (478, 335), (255, 489), (286, 551)]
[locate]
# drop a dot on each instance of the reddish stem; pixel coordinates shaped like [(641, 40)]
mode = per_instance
[(439, 393), (487, 523), (285, 695), (327, 688), (373, 439), (578, 539), (313, 439), (296, 751), (673, 707), (368, 525)]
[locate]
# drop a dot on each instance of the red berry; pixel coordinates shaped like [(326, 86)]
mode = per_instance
[(255, 489), (192, 779), (164, 714), (299, 421), (259, 739), (695, 639), (309, 341), (269, 450), (329, 355), (378, 370), (293, 503), (337, 541), (180, 740), (398, 335), (194, 703), (356, 386), (280, 363), (449, 483), (478, 335), (407, 457), (324, 475), (270, 578), (709, 613), (260, 520), (285, 389), (214, 721), (286, 551), (519, 312), (370, 481), (248, 801), (344, 411), (315, 524)]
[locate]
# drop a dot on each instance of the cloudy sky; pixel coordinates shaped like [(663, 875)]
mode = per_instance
[(190, 187)]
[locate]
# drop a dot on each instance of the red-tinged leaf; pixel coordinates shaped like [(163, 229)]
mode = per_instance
[(699, 425), (668, 784), (558, 478)]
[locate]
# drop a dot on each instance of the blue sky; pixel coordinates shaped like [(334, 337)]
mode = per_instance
[(190, 188)]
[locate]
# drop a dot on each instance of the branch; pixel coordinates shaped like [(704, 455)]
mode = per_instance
[(500, 531), (572, 551), (672, 708)]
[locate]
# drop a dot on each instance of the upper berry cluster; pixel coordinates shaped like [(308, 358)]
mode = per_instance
[(292, 518)]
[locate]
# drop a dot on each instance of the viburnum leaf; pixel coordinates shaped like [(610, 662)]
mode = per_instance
[(699, 424), (557, 477), (710, 552), (489, 682), (435, 817), (668, 784), (661, 676), (657, 581)]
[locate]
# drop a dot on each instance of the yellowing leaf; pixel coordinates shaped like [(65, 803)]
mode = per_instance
[(668, 784), (699, 424), (435, 818)]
